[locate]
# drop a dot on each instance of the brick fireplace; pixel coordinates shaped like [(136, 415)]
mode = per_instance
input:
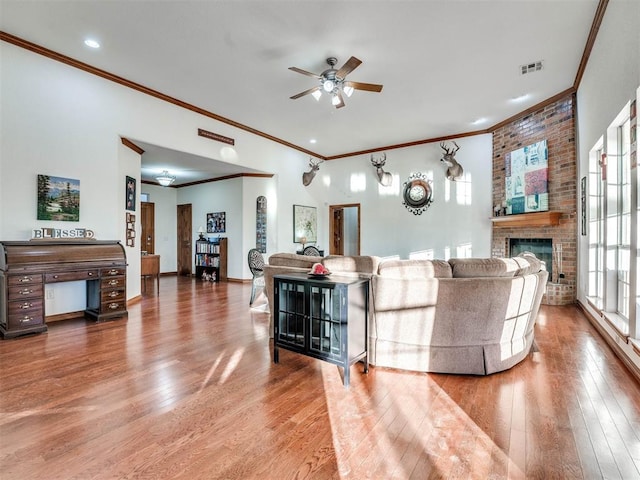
[(554, 122)]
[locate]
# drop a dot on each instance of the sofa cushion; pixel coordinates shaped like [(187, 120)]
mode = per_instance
[(528, 263), (415, 269), (352, 263), (483, 267), (394, 293), (293, 260)]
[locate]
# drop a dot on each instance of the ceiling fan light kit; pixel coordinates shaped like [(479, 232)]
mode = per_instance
[(333, 82)]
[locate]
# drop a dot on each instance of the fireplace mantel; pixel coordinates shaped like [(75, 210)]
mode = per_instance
[(537, 219)]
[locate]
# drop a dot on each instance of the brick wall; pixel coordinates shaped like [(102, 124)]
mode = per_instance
[(556, 124)]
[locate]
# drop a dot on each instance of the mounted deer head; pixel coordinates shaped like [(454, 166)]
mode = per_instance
[(307, 177), (384, 178), (455, 170)]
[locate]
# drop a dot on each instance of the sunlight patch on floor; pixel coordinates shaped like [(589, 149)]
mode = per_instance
[(438, 439)]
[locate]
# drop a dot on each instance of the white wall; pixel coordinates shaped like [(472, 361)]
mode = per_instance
[(166, 231), (224, 196), (252, 188), (387, 227), (610, 80)]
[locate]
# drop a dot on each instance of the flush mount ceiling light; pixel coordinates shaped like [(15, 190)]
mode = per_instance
[(89, 42), (333, 82), (520, 98), (165, 179)]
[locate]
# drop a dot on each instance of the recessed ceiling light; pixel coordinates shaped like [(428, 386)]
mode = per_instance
[(520, 98), (91, 43), (479, 121), (313, 140)]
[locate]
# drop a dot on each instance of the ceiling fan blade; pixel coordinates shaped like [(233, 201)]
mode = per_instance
[(348, 67), (306, 92), (341, 104), (369, 87), (304, 72)]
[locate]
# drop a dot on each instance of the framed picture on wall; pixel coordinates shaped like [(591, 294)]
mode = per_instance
[(130, 194), (305, 224), (58, 198), (526, 172), (216, 222)]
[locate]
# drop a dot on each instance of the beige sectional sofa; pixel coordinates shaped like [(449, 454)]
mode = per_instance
[(467, 316)]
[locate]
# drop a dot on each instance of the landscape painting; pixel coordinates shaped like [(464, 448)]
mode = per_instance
[(526, 174), (58, 198)]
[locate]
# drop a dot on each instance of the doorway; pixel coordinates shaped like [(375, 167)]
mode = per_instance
[(344, 229), (148, 223), (184, 239)]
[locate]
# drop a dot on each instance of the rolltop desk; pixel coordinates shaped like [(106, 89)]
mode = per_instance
[(27, 266)]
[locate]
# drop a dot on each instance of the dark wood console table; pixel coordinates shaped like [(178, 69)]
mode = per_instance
[(324, 318), (25, 267)]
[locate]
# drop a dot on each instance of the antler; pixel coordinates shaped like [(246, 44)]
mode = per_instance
[(380, 161), (447, 151), (314, 163)]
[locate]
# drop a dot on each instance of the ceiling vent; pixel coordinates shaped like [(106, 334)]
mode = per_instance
[(531, 67)]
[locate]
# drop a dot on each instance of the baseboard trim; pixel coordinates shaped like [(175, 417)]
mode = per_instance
[(620, 353), (238, 280), (134, 300), (63, 316)]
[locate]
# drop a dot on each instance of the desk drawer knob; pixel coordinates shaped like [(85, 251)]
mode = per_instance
[(113, 306), (90, 274), (56, 277), (25, 279), (114, 294), (26, 291), (26, 305), (26, 319), (113, 283), (112, 272)]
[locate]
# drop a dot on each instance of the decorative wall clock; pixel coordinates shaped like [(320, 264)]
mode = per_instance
[(417, 193)]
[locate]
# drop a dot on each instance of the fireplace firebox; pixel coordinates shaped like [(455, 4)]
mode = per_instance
[(542, 248)]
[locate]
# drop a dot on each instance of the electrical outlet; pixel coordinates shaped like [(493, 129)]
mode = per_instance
[(50, 294)]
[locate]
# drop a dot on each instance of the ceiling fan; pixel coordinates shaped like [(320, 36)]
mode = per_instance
[(334, 82)]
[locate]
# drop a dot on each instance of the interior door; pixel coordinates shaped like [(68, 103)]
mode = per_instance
[(185, 250), (344, 229), (148, 223), (337, 233)]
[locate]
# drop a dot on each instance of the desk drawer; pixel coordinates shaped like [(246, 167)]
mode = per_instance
[(113, 306), (113, 282), (27, 318), (27, 306), (107, 296), (112, 272), (27, 279), (71, 276), (18, 292)]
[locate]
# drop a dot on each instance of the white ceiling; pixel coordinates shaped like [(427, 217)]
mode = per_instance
[(443, 63)]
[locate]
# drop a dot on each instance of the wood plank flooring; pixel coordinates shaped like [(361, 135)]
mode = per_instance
[(185, 388)]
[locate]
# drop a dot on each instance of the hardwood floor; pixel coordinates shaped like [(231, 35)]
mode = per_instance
[(186, 388)]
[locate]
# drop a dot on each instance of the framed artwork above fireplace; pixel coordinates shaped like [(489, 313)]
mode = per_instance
[(526, 179)]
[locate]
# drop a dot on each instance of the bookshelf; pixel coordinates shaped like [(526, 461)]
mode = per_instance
[(211, 259)]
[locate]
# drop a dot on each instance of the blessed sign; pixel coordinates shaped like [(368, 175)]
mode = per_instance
[(62, 233)]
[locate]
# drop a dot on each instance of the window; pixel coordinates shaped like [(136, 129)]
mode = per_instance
[(595, 230), (610, 286), (624, 221)]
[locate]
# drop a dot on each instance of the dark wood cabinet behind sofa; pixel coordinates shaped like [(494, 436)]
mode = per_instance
[(25, 268)]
